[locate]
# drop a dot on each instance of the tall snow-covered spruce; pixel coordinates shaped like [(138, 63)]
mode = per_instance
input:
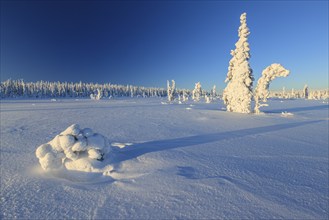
[(238, 93)]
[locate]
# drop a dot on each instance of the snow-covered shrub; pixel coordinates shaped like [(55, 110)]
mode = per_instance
[(92, 96), (197, 92), (238, 92), (171, 90), (70, 145), (98, 96), (269, 73), (207, 98)]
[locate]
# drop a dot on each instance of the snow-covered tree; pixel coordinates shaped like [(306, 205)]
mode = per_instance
[(213, 92), (99, 94), (269, 73), (305, 92), (171, 90), (238, 92), (284, 92), (196, 93), (293, 94), (185, 96)]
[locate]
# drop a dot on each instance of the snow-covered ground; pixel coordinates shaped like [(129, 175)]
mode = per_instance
[(170, 161)]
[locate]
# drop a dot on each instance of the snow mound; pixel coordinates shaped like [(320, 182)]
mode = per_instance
[(121, 145), (74, 149), (286, 114)]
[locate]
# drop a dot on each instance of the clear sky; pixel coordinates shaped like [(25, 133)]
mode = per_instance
[(146, 43)]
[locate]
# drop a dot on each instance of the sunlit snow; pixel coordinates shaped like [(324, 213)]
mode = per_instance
[(192, 161)]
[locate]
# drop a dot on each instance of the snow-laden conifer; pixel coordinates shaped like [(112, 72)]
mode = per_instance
[(213, 92), (238, 92), (269, 73), (185, 96), (196, 93), (171, 90), (305, 92), (293, 94)]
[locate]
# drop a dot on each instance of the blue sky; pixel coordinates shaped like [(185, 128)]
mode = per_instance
[(146, 43)]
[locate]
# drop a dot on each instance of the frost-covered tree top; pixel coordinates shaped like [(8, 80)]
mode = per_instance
[(269, 73), (242, 47), (238, 92)]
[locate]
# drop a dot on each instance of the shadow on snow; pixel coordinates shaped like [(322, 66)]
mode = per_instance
[(298, 109), (134, 151)]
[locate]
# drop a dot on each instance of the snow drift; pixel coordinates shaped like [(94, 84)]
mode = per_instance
[(74, 149)]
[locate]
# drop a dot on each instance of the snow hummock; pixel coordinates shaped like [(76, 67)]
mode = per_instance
[(74, 149), (286, 114)]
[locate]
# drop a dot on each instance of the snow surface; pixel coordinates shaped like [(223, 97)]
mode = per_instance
[(168, 161)]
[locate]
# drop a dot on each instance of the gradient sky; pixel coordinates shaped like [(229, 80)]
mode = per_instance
[(146, 43)]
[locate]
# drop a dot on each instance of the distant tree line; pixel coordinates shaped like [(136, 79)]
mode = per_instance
[(44, 89), (306, 93)]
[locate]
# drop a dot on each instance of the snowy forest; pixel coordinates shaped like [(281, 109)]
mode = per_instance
[(44, 89)]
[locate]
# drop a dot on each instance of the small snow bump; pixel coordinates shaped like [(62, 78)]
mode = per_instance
[(121, 145), (286, 114)]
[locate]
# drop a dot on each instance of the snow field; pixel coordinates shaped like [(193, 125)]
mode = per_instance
[(168, 161)]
